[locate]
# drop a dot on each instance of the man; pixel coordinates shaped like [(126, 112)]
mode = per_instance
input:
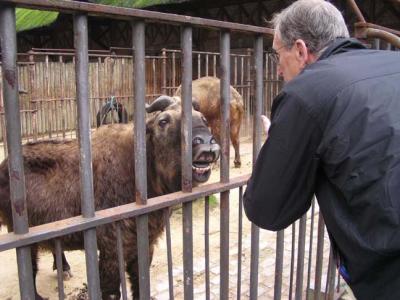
[(335, 133)]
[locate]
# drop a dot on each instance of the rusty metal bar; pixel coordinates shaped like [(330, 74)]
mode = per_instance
[(186, 130), (86, 174), (186, 149), (356, 10), (128, 13), (8, 40), (207, 245), (300, 257), (292, 260), (169, 254), (105, 216), (224, 175), (240, 239), (164, 72), (255, 231), (330, 290), (60, 269), (138, 38), (121, 261), (320, 257), (280, 236), (310, 249)]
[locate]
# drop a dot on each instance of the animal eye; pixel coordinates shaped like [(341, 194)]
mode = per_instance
[(162, 123)]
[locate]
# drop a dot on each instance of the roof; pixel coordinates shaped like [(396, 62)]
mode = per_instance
[(29, 19)]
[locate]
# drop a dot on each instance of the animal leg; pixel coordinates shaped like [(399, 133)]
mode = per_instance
[(133, 270), (34, 258), (109, 274), (67, 274), (235, 142)]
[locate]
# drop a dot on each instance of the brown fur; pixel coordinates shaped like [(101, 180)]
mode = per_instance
[(53, 188), (206, 92)]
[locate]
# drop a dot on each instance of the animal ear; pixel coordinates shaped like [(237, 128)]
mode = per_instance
[(160, 104), (195, 104)]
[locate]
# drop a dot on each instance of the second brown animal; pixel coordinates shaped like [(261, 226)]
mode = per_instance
[(206, 92)]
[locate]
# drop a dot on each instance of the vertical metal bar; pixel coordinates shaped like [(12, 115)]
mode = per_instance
[(214, 65), (60, 269), (138, 38), (292, 260), (207, 245), (255, 231), (320, 257), (186, 149), (173, 70), (121, 261), (240, 231), (330, 290), (198, 65), (8, 41), (310, 249), (164, 72), (169, 254), (300, 257), (86, 174), (224, 175), (376, 44), (207, 64), (280, 236), (186, 132)]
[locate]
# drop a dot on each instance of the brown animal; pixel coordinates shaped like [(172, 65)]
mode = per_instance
[(53, 193), (207, 96)]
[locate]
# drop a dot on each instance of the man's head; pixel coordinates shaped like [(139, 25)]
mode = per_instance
[(302, 32)]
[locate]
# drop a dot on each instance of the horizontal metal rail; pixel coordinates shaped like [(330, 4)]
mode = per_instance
[(75, 224), (123, 13)]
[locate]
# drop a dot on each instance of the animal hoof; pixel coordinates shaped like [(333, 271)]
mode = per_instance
[(67, 275), (238, 164)]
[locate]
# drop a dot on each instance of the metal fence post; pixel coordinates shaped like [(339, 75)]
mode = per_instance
[(86, 173), (8, 40), (224, 176), (138, 38)]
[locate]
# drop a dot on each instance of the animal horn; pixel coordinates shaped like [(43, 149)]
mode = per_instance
[(160, 103)]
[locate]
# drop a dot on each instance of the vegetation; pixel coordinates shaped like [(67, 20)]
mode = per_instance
[(28, 19)]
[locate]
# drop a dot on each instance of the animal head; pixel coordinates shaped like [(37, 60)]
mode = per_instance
[(164, 133)]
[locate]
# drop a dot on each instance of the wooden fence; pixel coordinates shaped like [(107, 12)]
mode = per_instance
[(47, 83)]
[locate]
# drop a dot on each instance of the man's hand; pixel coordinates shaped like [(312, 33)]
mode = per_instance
[(266, 123)]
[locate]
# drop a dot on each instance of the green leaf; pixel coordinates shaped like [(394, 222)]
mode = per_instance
[(28, 19)]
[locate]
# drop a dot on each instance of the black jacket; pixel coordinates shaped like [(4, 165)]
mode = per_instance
[(335, 133)]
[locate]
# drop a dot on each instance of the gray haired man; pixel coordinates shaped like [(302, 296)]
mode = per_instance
[(335, 133)]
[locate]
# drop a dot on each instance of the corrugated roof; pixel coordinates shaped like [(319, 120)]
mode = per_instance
[(28, 19)]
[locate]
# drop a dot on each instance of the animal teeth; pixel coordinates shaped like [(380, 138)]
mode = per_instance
[(201, 170)]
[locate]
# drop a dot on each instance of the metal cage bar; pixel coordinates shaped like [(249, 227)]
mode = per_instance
[(186, 150), (224, 175), (138, 39), (15, 160), (86, 172)]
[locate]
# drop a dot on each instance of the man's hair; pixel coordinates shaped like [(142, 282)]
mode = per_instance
[(316, 22)]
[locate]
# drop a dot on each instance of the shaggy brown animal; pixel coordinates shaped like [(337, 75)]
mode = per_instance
[(206, 94), (53, 190)]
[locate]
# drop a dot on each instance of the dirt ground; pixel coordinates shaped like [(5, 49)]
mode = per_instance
[(47, 278)]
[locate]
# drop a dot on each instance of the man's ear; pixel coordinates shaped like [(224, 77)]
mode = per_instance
[(302, 53)]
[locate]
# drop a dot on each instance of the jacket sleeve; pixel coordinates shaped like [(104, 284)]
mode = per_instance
[(282, 183)]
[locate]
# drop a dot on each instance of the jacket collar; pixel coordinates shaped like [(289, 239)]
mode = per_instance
[(341, 45)]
